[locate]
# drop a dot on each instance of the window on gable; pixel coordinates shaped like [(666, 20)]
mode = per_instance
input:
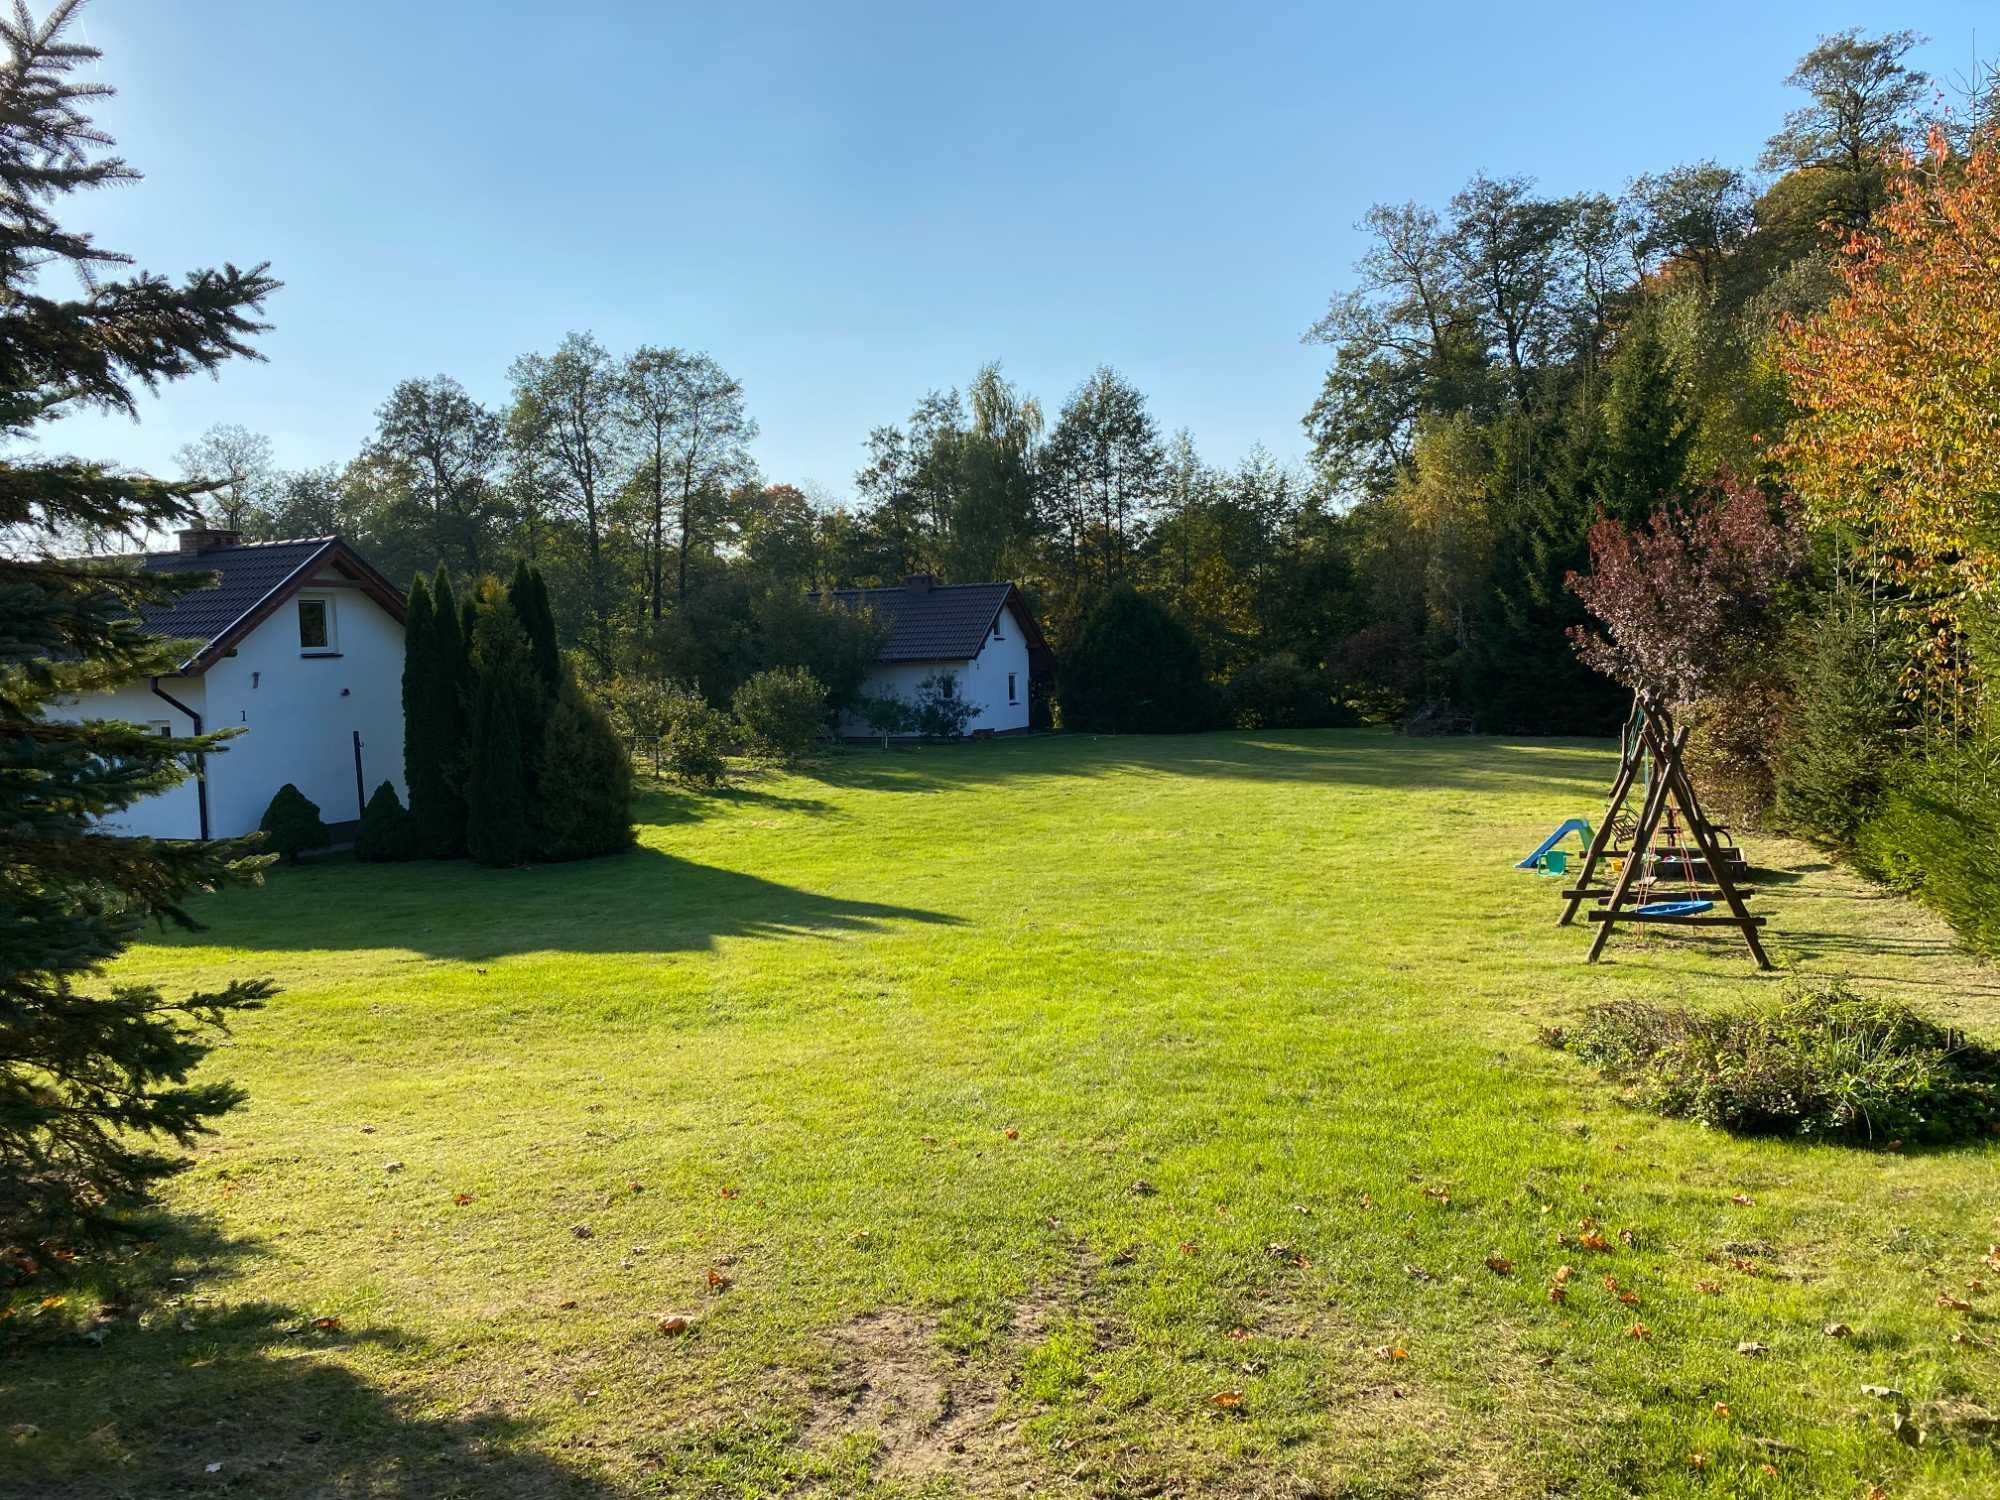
[(316, 626), (996, 626), (1011, 697)]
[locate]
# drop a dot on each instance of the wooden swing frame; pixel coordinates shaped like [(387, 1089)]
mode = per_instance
[(1655, 745)]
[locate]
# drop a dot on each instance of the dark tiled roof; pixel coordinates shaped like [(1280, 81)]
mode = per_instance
[(245, 575), (946, 622)]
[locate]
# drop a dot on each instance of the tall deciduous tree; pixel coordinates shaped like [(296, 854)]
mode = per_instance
[(1895, 380), (1103, 474), (92, 1074), (569, 423), (446, 449), (692, 436), (1861, 107), (238, 466)]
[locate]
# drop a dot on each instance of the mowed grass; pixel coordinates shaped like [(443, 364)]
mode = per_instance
[(1076, 1116)]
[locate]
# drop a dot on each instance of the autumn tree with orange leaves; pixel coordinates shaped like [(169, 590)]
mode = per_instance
[(1897, 445)]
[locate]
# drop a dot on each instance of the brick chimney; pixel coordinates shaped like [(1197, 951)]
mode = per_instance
[(206, 538), (919, 583)]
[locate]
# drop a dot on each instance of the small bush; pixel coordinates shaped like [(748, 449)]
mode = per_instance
[(1279, 692), (292, 824), (388, 832), (696, 744), (941, 711), (586, 784), (641, 711), (782, 714), (888, 714), (1823, 1064)]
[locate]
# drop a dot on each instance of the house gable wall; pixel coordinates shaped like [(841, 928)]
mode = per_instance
[(299, 712), (982, 680)]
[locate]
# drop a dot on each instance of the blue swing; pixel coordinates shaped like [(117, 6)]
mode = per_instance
[(1672, 908)]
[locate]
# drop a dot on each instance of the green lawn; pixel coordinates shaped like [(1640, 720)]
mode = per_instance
[(1029, 1097)]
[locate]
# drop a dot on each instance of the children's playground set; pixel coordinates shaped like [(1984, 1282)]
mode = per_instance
[(1667, 864)]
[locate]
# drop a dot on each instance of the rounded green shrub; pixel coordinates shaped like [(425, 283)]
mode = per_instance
[(388, 832), (781, 712), (291, 824)]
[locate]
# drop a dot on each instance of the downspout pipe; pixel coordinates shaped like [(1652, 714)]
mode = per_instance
[(201, 761)]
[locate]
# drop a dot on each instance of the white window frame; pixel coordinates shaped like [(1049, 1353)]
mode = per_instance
[(1013, 698), (164, 728), (332, 644)]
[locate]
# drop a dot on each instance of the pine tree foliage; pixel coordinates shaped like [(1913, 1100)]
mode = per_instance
[(387, 833), (437, 768), (586, 782), (499, 826), (292, 825), (92, 1075)]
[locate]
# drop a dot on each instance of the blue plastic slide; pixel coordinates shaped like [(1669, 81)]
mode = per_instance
[(1574, 825)]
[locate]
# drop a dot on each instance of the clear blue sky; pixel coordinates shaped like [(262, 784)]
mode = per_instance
[(851, 204)]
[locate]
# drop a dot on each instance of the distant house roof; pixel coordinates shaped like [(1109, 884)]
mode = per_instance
[(930, 621), (252, 580)]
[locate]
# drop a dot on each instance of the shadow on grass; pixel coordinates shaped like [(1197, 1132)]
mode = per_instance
[(147, 1381), (1366, 757), (642, 901)]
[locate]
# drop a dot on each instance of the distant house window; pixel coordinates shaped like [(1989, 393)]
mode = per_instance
[(1011, 698), (316, 626), (161, 727)]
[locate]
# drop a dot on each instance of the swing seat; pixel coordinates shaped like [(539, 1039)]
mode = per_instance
[(1673, 908)]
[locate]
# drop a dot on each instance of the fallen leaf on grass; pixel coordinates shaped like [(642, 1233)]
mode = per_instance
[(1630, 1299), (730, 1192), (1837, 1330), (1708, 1288), (1499, 1265), (1143, 1189), (1239, 1333), (635, 1187), (327, 1325), (1558, 1293), (1697, 1460), (1594, 1241), (1976, 1286), (718, 1281), (1752, 1349), (1721, 1409), (673, 1325), (1417, 1273), (1768, 1468), (1639, 1331), (1438, 1196), (1391, 1352), (367, 1129), (1953, 1304), (1226, 1399), (1369, 1202), (582, 1231), (392, 1166), (1742, 1200), (1013, 1133), (568, 1304), (1188, 1247), (20, 1432), (461, 1199)]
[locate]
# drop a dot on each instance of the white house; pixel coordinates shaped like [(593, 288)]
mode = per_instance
[(299, 645), (981, 633)]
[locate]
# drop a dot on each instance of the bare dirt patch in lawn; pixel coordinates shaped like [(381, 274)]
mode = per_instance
[(930, 1414)]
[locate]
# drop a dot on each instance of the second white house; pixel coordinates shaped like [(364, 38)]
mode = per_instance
[(980, 633)]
